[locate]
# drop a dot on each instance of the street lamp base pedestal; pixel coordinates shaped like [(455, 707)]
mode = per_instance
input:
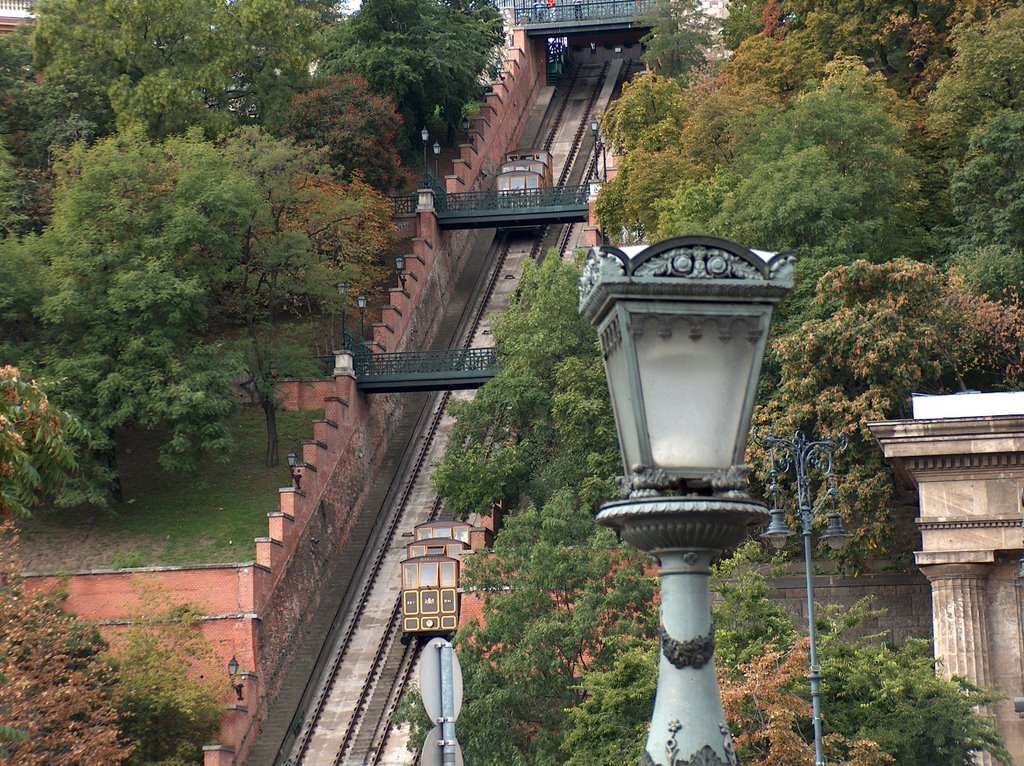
[(685, 535)]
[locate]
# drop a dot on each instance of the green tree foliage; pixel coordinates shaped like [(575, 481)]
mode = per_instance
[(649, 114), (785, 67), (171, 66), (21, 289), (425, 55), (828, 177), (168, 707), (987, 188), (576, 598), (877, 334), (983, 78), (39, 117), (909, 43), (544, 422), (744, 20), (892, 695), (37, 113), (644, 124), (609, 727), (884, 703), (358, 130), (681, 34), (304, 233), (139, 233), (35, 456)]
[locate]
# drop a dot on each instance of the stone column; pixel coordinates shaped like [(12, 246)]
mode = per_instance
[(960, 624)]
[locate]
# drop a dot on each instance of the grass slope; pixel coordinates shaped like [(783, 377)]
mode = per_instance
[(166, 518)]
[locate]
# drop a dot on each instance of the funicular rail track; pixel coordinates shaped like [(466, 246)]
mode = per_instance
[(570, 170), (362, 738)]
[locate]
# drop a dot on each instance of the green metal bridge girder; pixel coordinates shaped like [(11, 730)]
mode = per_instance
[(448, 370), (558, 204), (567, 17)]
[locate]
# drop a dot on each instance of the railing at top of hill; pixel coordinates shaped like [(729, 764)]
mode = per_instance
[(18, 8), (512, 200), (569, 13)]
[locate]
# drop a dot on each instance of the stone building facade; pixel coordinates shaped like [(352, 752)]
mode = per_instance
[(965, 456)]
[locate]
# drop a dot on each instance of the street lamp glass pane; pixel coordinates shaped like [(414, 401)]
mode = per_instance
[(694, 387), (624, 404)]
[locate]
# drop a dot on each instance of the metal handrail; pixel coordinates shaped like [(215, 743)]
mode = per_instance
[(22, 7), (566, 12), (405, 204), (518, 199), (420, 362)]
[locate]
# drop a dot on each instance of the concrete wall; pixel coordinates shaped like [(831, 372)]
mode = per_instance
[(905, 597)]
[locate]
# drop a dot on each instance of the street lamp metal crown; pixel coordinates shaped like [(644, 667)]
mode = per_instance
[(683, 327)]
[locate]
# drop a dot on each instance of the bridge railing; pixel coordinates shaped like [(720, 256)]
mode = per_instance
[(567, 12), (16, 8), (518, 199), (423, 362), (405, 204)]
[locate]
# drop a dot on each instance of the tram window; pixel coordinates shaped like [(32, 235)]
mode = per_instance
[(448, 579), (409, 577), (462, 533), (435, 550), (423, 534), (417, 550), (428, 575)]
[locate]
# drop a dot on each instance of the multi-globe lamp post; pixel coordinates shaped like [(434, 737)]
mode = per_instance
[(683, 326), (802, 456)]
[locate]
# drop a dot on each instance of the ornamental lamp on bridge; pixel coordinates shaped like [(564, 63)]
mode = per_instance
[(683, 327)]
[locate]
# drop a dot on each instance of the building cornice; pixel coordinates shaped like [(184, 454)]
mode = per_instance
[(931, 524), (921, 449)]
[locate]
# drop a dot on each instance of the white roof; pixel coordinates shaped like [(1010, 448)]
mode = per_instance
[(970, 404)]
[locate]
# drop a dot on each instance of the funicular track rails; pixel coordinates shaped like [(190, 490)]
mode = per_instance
[(364, 737), (570, 168), (380, 544)]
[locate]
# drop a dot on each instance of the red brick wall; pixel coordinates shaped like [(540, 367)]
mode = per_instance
[(296, 395)]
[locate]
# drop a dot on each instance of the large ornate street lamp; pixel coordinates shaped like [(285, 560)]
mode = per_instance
[(802, 455), (683, 326)]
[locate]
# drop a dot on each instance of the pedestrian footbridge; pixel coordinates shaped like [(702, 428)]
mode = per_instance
[(449, 370), (565, 17)]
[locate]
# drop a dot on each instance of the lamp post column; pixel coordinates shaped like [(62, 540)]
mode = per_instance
[(343, 292), (814, 672), (425, 135), (685, 534)]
